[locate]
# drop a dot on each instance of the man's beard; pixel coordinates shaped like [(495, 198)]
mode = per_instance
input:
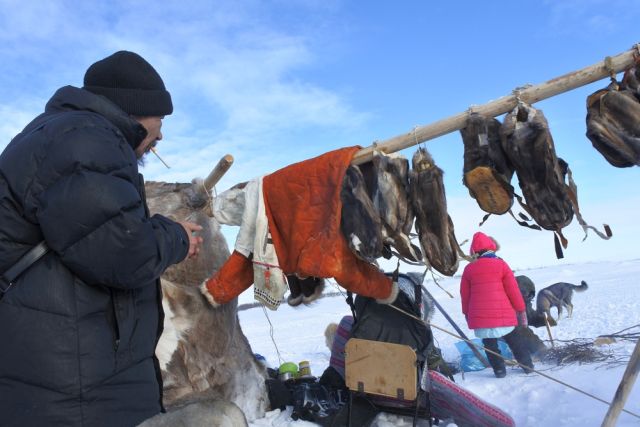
[(142, 161)]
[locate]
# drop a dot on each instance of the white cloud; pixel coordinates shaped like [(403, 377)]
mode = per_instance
[(589, 18), (236, 77)]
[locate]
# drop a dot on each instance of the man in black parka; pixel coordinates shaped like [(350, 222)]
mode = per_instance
[(79, 327)]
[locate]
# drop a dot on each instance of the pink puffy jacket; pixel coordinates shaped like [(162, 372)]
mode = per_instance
[(489, 291)]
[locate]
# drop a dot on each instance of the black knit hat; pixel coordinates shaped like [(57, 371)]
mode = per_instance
[(130, 82)]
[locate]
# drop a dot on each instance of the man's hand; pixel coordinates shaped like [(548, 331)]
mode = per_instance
[(194, 240)]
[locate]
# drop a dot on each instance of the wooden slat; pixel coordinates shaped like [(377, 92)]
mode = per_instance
[(381, 368)]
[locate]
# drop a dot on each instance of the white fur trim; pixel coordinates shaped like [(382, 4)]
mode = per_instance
[(392, 296), (317, 293), (330, 334), (208, 296), (294, 301)]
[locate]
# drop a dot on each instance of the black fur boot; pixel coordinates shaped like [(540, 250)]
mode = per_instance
[(497, 362)]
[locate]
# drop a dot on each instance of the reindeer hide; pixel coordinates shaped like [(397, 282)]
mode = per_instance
[(203, 352)]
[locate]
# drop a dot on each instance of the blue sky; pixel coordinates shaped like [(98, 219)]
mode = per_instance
[(276, 82)]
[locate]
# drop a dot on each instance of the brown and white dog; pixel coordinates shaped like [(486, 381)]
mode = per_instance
[(558, 295)]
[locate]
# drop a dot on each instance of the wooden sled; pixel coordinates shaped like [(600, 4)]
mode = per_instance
[(386, 370), (381, 368), (390, 374)]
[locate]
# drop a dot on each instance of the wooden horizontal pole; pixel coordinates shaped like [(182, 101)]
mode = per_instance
[(218, 171), (530, 95)]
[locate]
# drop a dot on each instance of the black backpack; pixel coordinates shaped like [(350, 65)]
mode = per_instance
[(381, 322)]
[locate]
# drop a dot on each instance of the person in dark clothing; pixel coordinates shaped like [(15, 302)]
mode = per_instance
[(80, 325)]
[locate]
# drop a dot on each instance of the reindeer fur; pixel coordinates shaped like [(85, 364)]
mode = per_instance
[(433, 224), (613, 125), (528, 145), (203, 353)]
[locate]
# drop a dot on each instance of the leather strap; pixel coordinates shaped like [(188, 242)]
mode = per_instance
[(8, 277)]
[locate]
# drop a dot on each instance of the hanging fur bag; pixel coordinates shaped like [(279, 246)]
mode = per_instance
[(433, 223), (486, 173), (387, 179), (548, 198), (613, 123), (360, 223), (631, 78), (528, 145)]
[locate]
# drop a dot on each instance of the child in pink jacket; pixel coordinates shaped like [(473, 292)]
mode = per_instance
[(492, 303)]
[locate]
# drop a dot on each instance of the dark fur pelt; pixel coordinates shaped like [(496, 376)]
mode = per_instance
[(360, 223), (433, 224), (528, 145), (613, 123), (487, 172), (631, 78), (388, 186)]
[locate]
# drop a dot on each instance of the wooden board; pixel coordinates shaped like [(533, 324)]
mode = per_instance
[(381, 368)]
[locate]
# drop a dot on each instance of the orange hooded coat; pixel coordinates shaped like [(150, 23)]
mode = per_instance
[(303, 207)]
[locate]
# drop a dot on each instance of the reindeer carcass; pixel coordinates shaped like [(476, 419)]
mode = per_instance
[(203, 353)]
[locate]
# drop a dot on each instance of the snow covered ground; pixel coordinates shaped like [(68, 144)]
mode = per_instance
[(609, 305)]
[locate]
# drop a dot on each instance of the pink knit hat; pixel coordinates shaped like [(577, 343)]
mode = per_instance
[(482, 242)]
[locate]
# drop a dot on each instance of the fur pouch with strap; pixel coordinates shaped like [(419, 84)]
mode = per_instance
[(433, 223), (487, 172), (613, 121), (529, 147), (631, 78)]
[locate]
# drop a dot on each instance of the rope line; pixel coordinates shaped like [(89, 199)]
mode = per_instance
[(433, 277), (264, 310), (625, 329), (266, 264), (511, 360)]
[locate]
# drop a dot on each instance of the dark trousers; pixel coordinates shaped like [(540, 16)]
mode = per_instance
[(518, 347)]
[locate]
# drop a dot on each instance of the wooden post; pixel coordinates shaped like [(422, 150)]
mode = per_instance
[(214, 176), (546, 322), (220, 169), (503, 105), (626, 384)]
